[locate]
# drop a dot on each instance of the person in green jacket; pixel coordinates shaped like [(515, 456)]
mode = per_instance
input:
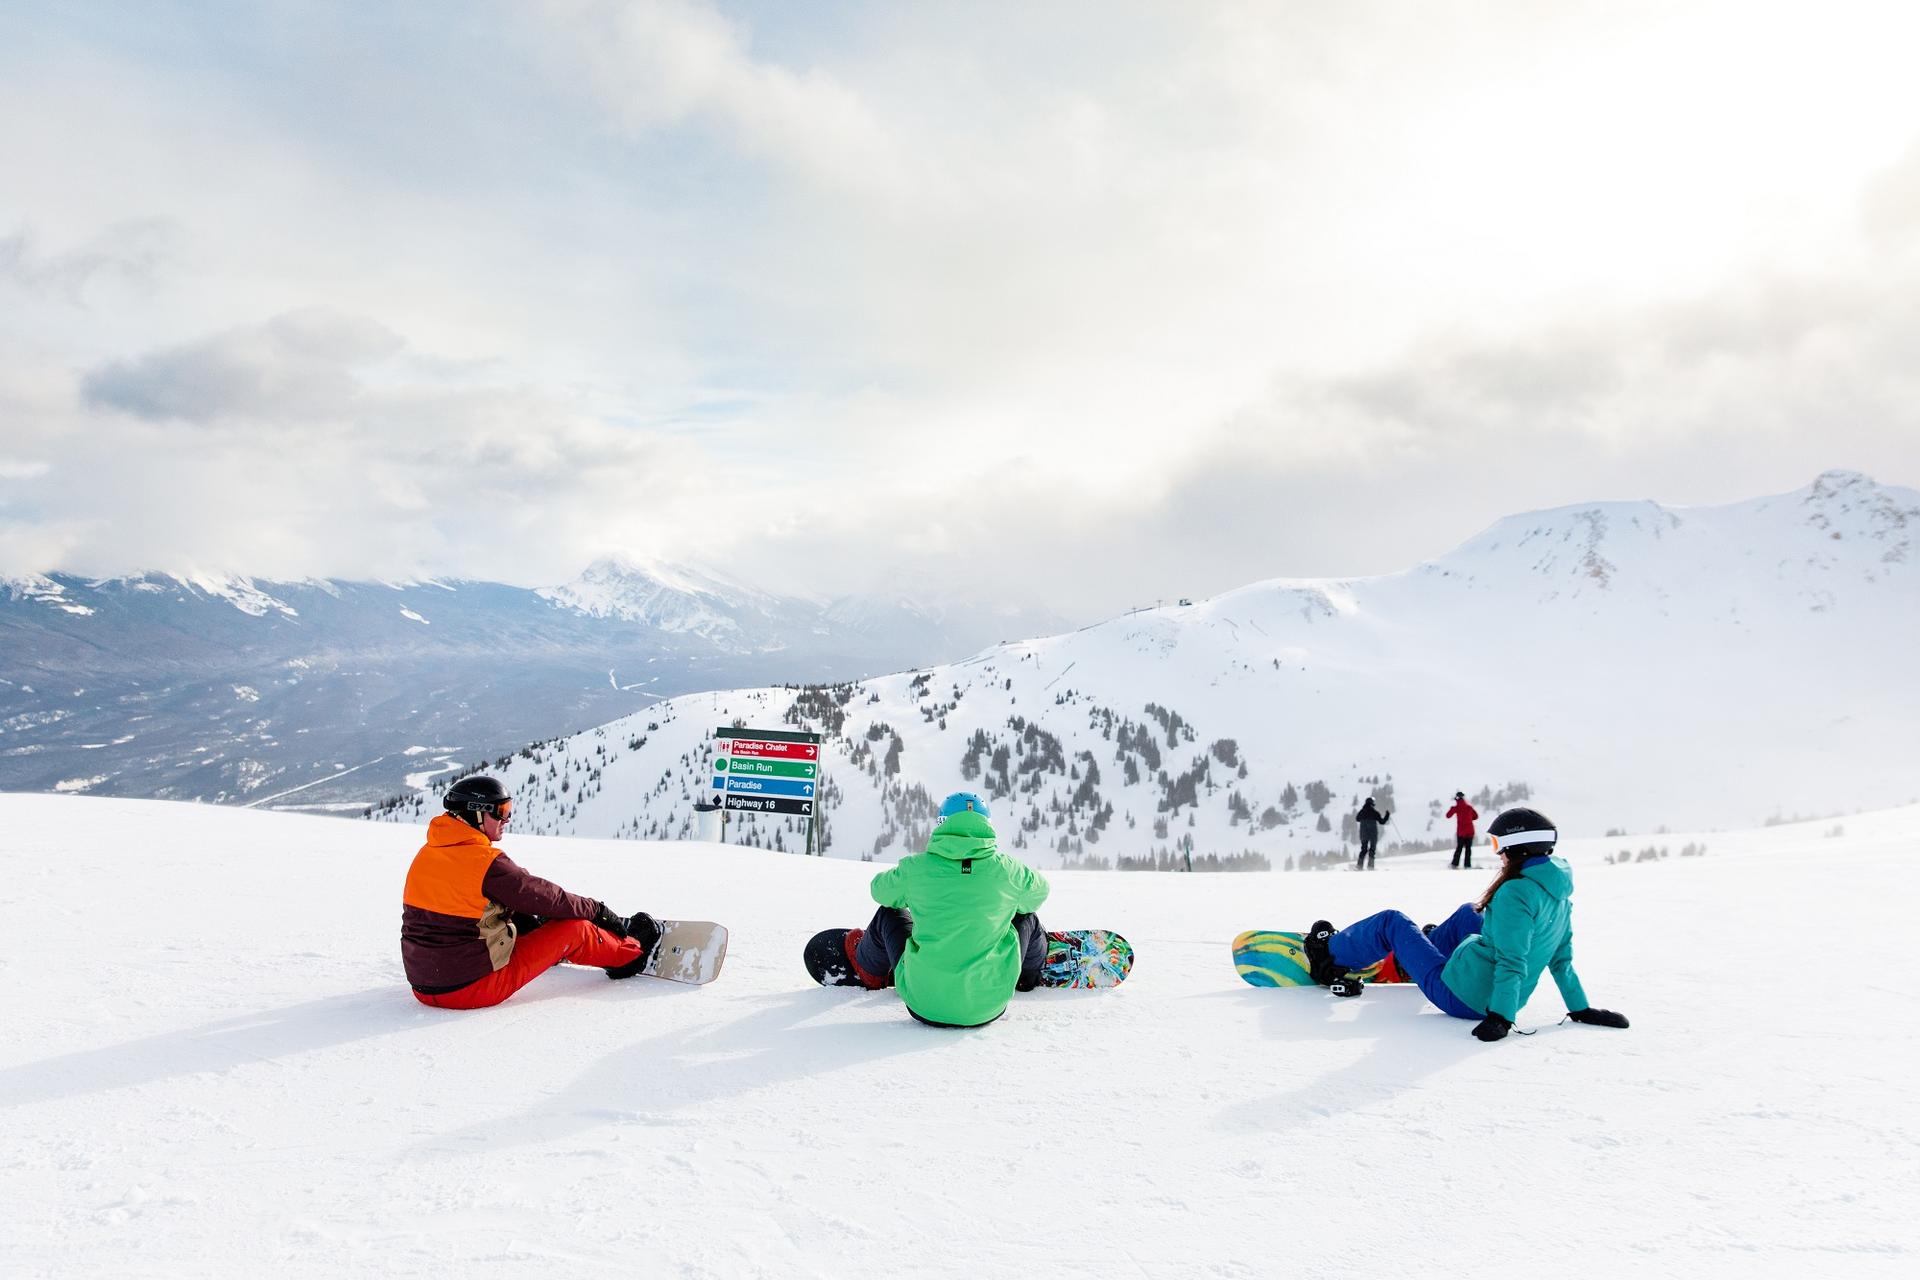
[(1485, 959), (956, 931)]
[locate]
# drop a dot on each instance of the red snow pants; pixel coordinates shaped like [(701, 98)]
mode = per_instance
[(580, 942)]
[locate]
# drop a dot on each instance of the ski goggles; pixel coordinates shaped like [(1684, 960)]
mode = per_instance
[(502, 812), (1522, 838)]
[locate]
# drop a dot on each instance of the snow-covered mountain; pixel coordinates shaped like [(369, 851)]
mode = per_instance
[(686, 600), (1623, 664), (226, 688)]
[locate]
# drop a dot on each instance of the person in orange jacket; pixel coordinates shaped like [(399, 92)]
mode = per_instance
[(475, 927), (1464, 816)]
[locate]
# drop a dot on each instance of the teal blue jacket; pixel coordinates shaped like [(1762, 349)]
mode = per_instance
[(1528, 928), (963, 956)]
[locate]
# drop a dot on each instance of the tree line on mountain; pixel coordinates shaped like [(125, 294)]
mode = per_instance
[(1046, 798)]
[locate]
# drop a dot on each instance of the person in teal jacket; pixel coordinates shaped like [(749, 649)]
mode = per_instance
[(956, 931), (1485, 959)]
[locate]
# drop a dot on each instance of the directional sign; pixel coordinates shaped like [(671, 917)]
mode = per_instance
[(770, 735), (768, 768), (763, 786), (767, 771), (760, 748), (769, 804)]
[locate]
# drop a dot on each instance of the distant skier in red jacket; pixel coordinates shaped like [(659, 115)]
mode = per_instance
[(1464, 816)]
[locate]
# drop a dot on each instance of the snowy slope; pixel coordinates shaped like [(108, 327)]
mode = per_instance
[(212, 1067), (1626, 664)]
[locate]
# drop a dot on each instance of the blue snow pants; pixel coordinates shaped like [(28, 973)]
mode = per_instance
[(1420, 957)]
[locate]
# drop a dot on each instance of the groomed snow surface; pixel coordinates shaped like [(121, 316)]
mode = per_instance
[(211, 1066)]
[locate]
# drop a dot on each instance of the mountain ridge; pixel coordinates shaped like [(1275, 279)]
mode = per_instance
[(1601, 656)]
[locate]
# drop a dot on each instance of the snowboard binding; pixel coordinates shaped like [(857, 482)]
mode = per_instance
[(1321, 964)]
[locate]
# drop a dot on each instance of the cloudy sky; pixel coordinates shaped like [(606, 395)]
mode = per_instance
[(1081, 303)]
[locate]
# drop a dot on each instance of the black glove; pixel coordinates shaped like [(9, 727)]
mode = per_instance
[(1599, 1018), (1492, 1027), (612, 923)]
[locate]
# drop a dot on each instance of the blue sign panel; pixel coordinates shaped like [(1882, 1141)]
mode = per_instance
[(763, 786)]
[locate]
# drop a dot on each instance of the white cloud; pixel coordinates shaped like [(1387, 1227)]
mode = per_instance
[(1101, 300), (293, 368), (133, 254)]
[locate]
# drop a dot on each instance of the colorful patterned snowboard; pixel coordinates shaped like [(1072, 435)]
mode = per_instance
[(1269, 959), (1083, 958), (689, 951), (1080, 958)]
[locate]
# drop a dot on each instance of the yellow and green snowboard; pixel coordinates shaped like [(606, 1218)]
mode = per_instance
[(1267, 958)]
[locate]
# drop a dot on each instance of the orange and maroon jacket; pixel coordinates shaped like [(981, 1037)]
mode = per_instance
[(455, 914)]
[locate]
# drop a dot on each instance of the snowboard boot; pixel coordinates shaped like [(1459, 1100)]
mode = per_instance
[(645, 930), (1321, 965), (870, 981)]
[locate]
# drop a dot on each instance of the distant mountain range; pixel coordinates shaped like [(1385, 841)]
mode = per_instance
[(1622, 664), (330, 693)]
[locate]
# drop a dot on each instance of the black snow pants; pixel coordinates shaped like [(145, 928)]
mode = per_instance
[(885, 941)]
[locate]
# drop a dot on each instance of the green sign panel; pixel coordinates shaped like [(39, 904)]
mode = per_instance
[(767, 768)]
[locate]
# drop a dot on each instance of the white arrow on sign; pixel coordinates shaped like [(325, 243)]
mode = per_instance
[(811, 750)]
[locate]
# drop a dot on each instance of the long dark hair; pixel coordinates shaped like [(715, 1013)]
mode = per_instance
[(1512, 864)]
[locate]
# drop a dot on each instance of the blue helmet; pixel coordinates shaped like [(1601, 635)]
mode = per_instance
[(960, 802)]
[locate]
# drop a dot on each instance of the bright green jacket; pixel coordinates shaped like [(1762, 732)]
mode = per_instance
[(963, 957), (1528, 928)]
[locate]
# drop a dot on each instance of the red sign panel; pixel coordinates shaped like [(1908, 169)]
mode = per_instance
[(754, 748)]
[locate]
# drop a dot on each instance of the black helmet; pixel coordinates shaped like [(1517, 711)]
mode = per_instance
[(476, 794), (1527, 829)]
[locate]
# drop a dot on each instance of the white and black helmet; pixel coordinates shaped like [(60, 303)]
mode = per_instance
[(1523, 829)]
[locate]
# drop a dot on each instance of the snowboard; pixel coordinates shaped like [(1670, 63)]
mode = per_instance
[(826, 959), (1266, 958), (1083, 958), (1077, 958), (689, 951)]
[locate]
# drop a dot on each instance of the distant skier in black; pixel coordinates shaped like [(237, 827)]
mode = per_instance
[(1370, 820)]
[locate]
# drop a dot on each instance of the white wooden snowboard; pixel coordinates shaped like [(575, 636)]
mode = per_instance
[(689, 951)]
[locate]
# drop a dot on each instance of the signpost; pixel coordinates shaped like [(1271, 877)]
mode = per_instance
[(766, 771)]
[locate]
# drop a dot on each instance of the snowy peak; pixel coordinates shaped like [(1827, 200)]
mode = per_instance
[(42, 590), (1843, 527), (680, 599), (1574, 549), (232, 589), (240, 592), (1844, 505)]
